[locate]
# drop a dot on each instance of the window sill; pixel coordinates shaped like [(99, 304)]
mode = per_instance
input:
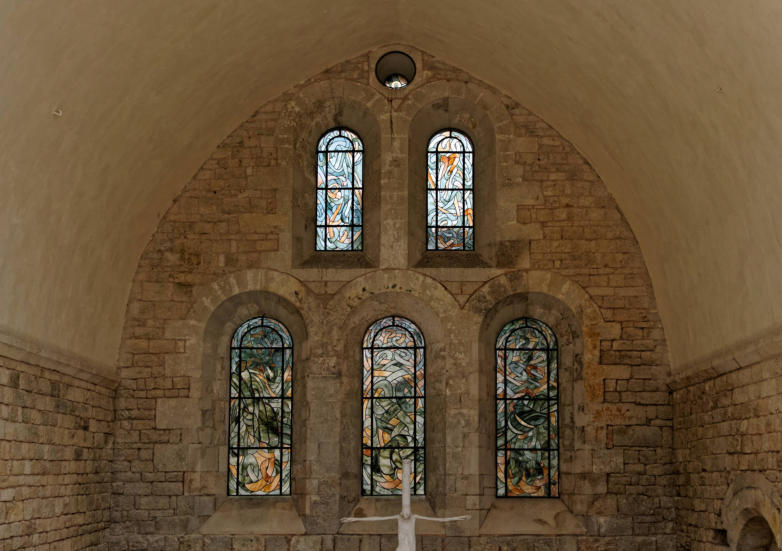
[(387, 506), (544, 517), (265, 515)]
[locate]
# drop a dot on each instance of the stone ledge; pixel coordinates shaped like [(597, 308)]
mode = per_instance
[(258, 516), (545, 517), (387, 506), (35, 352), (742, 354)]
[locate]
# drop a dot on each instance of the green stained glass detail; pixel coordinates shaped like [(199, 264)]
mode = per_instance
[(527, 410), (393, 405), (260, 409)]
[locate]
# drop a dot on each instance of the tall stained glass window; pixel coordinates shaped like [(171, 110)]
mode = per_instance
[(449, 188), (259, 447), (393, 405), (339, 219), (527, 432)]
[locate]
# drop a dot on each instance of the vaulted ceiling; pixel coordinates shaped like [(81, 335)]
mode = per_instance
[(677, 104)]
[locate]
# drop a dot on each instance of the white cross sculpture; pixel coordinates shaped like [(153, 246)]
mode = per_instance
[(405, 520)]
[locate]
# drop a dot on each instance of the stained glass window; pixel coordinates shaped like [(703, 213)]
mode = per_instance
[(449, 189), (339, 218), (393, 406), (259, 448), (527, 433)]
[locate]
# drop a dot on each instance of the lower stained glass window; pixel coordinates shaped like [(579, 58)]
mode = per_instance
[(449, 192), (259, 448), (527, 412), (393, 406)]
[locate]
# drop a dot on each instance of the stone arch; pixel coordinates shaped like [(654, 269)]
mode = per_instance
[(752, 514), (478, 112), (576, 320), (313, 110), (352, 309), (218, 309)]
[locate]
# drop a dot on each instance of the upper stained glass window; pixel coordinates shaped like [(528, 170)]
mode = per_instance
[(393, 406), (527, 431), (259, 449), (449, 188), (339, 218)]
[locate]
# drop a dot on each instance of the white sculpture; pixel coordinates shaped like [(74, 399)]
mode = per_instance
[(405, 519)]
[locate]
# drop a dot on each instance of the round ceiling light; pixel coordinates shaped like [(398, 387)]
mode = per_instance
[(395, 70)]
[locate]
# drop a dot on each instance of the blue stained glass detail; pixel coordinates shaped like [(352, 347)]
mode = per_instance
[(339, 197), (449, 201)]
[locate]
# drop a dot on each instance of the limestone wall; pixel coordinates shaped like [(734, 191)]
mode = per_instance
[(238, 242), (56, 425), (728, 426)]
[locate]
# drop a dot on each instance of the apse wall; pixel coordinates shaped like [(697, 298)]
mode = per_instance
[(239, 242)]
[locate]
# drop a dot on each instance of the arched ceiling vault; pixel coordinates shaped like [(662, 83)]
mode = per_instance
[(677, 103)]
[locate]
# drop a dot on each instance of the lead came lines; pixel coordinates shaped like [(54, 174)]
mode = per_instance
[(382, 342)]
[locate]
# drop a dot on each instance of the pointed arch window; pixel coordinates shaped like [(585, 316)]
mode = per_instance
[(393, 406), (449, 175), (527, 416), (339, 214), (260, 409)]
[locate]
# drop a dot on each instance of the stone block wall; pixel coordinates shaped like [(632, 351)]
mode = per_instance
[(555, 243), (728, 423), (56, 432)]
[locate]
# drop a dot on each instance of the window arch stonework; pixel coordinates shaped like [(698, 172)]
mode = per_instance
[(308, 116), (556, 315), (355, 307), (467, 118), (271, 514)]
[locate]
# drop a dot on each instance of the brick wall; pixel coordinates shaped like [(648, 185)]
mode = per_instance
[(724, 426), (552, 214), (55, 452)]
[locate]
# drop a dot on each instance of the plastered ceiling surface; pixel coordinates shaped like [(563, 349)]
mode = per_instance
[(677, 104)]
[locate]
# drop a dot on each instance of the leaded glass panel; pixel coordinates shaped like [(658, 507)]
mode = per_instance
[(260, 409), (527, 410), (393, 406), (339, 192), (449, 195)]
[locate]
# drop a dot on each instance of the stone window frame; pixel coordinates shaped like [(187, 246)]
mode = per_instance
[(376, 306), (538, 515), (249, 514), (317, 109), (467, 117)]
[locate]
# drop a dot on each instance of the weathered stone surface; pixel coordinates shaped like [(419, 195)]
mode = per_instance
[(55, 458)]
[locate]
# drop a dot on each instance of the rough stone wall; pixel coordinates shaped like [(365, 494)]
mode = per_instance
[(55, 458), (725, 426), (552, 220)]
